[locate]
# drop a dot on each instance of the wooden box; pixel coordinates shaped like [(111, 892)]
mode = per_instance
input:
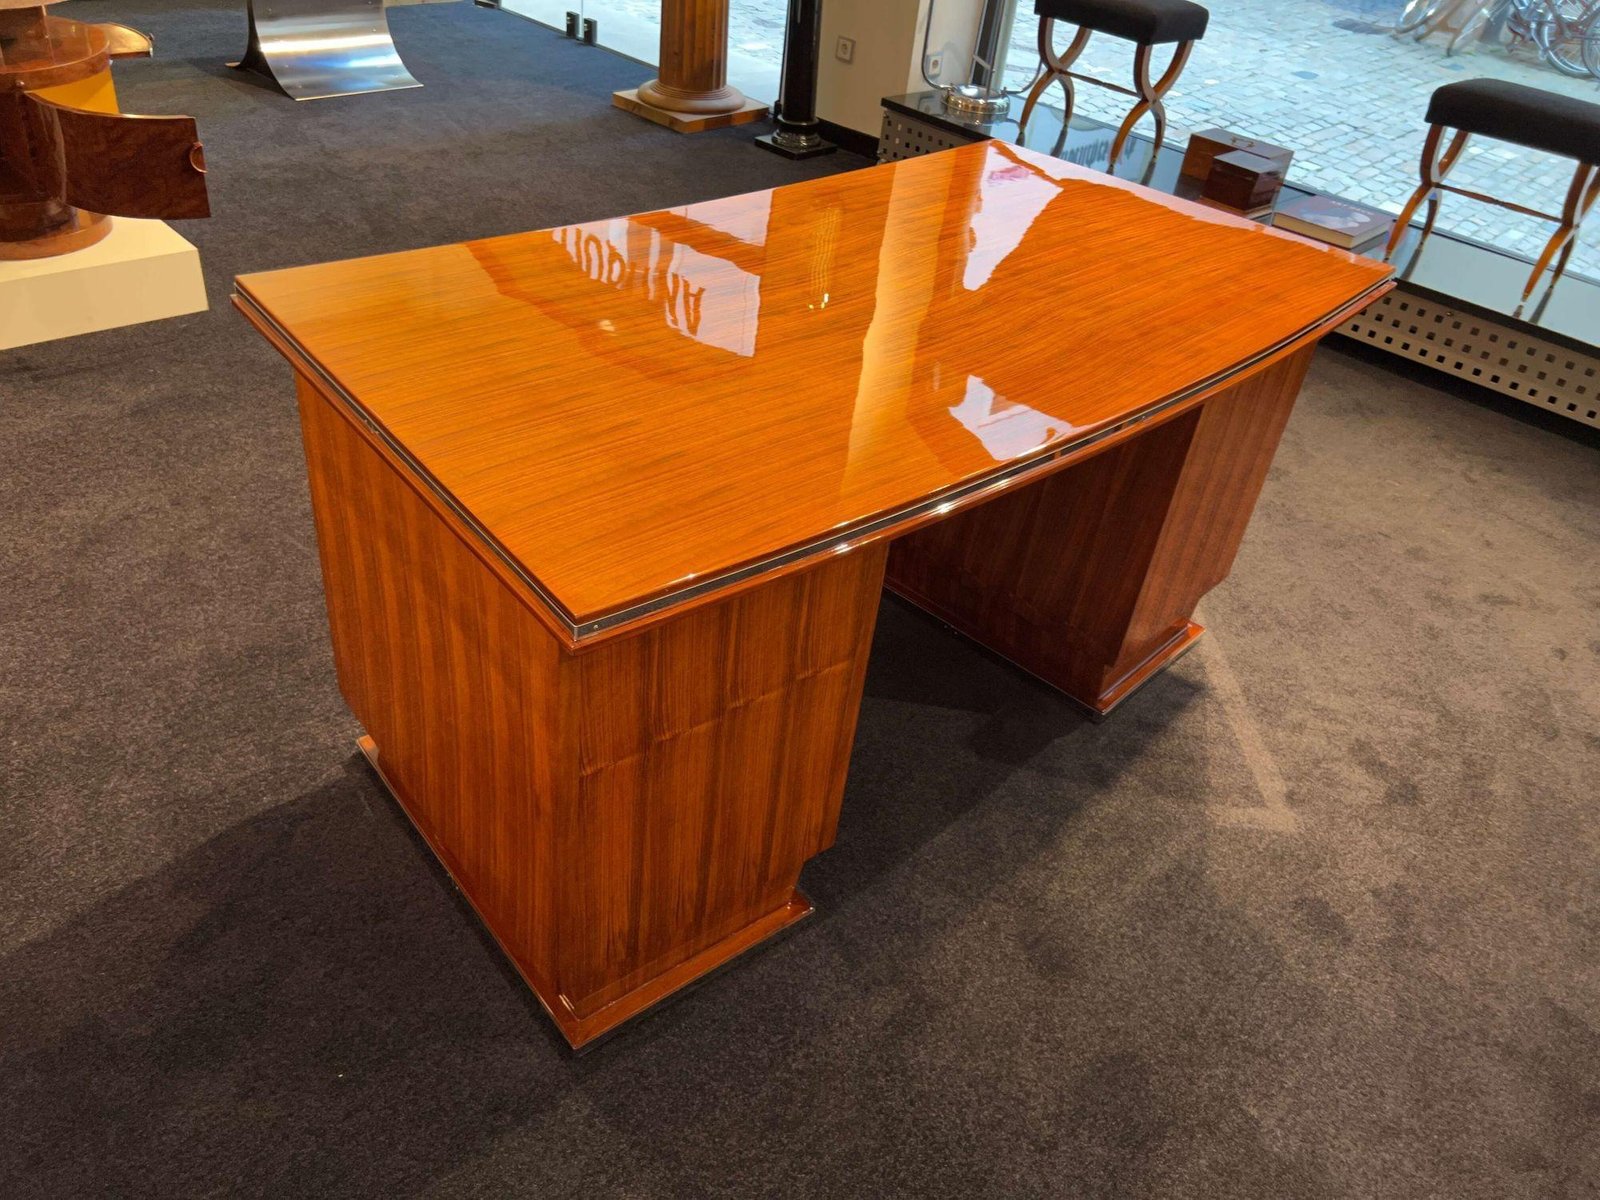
[(1206, 145), (1242, 180)]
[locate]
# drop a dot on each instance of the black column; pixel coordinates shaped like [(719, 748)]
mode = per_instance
[(797, 135)]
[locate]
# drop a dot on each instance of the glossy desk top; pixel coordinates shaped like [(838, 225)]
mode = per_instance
[(638, 412)]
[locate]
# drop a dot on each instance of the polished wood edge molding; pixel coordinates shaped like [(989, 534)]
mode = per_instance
[(579, 1031), (484, 547), (124, 41), (594, 628)]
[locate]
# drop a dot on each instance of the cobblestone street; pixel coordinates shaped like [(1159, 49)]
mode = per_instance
[(1324, 78)]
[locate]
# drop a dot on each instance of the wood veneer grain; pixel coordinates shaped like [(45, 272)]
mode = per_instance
[(1089, 578), (624, 817), (694, 58), (634, 409), (731, 409)]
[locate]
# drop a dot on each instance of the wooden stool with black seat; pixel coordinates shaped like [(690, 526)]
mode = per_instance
[(1145, 23), (1525, 116)]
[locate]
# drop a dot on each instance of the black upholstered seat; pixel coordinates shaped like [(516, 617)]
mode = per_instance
[(1147, 22), (1514, 112)]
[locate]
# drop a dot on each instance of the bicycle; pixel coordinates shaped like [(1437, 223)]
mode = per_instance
[(1416, 14), (1568, 36), (1463, 20), (1566, 33)]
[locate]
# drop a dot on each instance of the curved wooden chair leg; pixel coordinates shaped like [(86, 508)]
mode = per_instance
[(1070, 93), (1056, 66), (1433, 215), (1561, 263), (1433, 170), (1059, 148), (1180, 57), (1584, 206), (1033, 98), (1561, 238), (1123, 130), (1150, 99), (1403, 221), (1158, 110), (1452, 152), (1145, 92), (1580, 198)]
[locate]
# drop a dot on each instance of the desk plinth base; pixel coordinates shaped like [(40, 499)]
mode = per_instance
[(1097, 706), (580, 1030), (1180, 644)]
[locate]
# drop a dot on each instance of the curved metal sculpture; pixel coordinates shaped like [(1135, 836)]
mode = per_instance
[(315, 49), (68, 159)]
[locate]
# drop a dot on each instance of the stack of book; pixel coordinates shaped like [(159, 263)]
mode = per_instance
[(1328, 219)]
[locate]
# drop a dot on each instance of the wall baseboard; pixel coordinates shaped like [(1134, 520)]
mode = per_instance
[(849, 139)]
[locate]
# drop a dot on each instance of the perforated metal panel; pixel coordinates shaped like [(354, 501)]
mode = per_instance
[(1506, 360), (907, 137)]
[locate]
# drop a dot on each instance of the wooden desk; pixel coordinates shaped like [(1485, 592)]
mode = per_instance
[(604, 511)]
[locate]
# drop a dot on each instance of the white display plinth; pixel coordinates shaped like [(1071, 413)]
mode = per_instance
[(140, 271)]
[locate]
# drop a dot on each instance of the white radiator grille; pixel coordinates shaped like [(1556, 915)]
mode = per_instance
[(1505, 360), (907, 137)]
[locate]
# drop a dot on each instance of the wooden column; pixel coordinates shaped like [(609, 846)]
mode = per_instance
[(692, 92)]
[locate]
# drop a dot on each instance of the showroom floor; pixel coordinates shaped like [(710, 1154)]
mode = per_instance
[(1314, 916)]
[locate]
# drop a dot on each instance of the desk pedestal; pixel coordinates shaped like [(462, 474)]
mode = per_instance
[(630, 814), (624, 817), (1089, 577)]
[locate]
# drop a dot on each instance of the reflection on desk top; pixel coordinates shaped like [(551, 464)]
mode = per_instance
[(639, 412)]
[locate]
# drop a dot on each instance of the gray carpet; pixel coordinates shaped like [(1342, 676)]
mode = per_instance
[(1316, 915)]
